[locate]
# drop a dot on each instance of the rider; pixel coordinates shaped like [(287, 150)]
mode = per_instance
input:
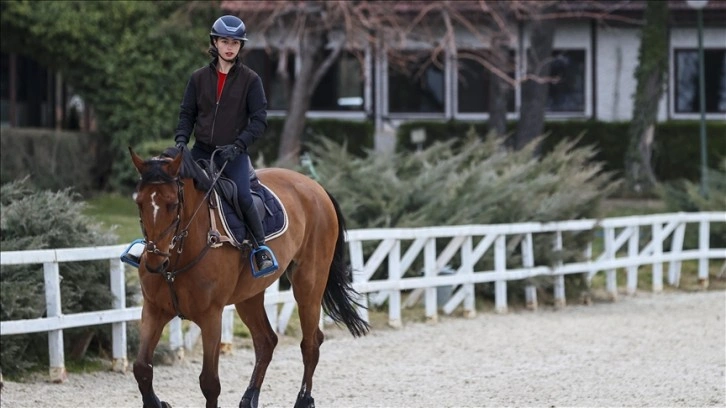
[(225, 105)]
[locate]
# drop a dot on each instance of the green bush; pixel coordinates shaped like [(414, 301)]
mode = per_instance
[(34, 219), (676, 152), (469, 181), (53, 160), (685, 195), (356, 135)]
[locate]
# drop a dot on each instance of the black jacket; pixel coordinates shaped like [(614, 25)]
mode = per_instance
[(241, 114)]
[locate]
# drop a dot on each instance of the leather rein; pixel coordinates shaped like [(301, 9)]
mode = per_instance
[(177, 241)]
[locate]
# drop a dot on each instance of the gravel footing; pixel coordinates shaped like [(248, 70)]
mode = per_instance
[(648, 350)]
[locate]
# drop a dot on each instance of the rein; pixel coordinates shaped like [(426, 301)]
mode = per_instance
[(179, 237)]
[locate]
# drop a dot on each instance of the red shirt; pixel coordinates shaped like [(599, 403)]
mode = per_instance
[(221, 77)]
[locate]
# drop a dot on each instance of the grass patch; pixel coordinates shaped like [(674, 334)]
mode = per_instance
[(117, 213)]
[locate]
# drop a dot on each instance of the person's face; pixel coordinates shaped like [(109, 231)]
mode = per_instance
[(228, 48)]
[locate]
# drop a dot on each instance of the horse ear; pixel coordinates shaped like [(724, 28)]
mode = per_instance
[(138, 161), (175, 164)]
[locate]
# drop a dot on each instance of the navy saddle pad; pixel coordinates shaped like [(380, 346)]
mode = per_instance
[(272, 213)]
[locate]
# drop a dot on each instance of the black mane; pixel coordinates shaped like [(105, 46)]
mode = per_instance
[(190, 168)]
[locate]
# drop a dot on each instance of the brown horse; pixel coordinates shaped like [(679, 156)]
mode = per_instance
[(182, 274)]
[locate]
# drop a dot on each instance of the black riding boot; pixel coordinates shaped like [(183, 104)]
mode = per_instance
[(252, 218)]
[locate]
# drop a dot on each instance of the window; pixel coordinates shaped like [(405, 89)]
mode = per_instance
[(418, 87), (686, 80), (474, 82), (266, 67), (341, 88), (568, 93)]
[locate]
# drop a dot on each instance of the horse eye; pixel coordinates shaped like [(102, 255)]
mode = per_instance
[(172, 206)]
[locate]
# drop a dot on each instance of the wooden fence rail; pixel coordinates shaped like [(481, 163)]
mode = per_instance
[(415, 263)]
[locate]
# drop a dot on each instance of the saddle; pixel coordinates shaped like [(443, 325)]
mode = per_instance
[(232, 228)]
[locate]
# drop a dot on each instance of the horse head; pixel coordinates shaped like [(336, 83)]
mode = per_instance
[(159, 197)]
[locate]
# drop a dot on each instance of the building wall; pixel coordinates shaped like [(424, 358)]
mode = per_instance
[(616, 58)]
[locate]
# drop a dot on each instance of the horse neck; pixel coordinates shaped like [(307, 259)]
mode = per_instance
[(195, 212)]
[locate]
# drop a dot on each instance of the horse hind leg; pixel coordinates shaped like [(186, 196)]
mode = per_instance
[(152, 325), (310, 348), (252, 312)]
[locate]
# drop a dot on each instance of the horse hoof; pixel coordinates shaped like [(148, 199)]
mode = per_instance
[(250, 398), (165, 404), (305, 402)]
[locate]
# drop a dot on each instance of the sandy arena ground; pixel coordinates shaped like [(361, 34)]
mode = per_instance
[(650, 350)]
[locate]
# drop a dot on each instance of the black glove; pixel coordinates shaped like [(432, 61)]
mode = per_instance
[(231, 151), (181, 143)]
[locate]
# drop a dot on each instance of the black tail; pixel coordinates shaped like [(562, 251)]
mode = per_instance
[(339, 299)]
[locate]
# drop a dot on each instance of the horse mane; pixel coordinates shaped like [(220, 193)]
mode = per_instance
[(190, 168)]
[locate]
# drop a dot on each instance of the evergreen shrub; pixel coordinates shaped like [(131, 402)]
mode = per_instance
[(676, 152), (469, 181), (685, 195), (37, 219)]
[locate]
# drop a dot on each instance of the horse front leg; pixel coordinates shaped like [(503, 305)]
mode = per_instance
[(211, 328), (153, 321), (252, 312)]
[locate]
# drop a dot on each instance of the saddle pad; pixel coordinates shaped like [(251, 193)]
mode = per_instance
[(274, 221)]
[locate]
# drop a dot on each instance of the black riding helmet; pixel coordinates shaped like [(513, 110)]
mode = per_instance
[(230, 27)]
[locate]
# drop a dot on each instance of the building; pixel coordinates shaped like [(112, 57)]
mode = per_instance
[(595, 59)]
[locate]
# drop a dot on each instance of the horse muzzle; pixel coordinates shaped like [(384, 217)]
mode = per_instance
[(152, 251), (160, 268)]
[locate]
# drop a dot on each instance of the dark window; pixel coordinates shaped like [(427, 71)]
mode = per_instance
[(418, 86), (341, 88), (686, 80), (567, 94), (474, 81), (266, 67)]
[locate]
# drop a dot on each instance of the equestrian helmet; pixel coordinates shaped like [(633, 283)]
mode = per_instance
[(229, 27)]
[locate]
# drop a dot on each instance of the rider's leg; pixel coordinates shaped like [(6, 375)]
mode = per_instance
[(238, 170)]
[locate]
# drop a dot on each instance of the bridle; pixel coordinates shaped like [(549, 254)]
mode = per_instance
[(177, 240)]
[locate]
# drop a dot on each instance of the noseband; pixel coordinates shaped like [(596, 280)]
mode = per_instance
[(151, 246)]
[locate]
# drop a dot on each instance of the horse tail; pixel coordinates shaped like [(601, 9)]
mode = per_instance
[(339, 298)]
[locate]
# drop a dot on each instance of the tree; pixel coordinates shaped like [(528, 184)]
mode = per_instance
[(650, 76), (128, 59), (535, 84), (319, 31)]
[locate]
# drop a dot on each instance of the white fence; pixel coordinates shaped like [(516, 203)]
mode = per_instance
[(414, 266)]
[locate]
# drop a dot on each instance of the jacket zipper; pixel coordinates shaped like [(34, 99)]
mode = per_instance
[(216, 107)]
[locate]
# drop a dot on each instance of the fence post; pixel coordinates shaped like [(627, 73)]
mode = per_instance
[(468, 288), (657, 252), (674, 269), (633, 251), (272, 310), (118, 330), (500, 266), (51, 276), (357, 265), (559, 289), (611, 277), (176, 337), (530, 291), (227, 340), (704, 230), (394, 275), (430, 270)]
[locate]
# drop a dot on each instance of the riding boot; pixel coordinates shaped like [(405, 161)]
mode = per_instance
[(252, 218)]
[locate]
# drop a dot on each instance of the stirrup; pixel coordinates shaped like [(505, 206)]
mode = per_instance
[(132, 254), (253, 262)]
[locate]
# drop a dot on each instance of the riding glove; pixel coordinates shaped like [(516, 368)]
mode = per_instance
[(231, 151), (181, 142)]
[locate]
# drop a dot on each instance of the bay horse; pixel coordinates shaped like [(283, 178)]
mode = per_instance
[(182, 275)]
